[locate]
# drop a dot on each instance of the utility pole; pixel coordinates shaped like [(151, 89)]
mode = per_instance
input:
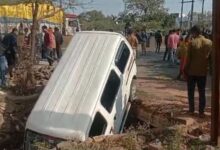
[(125, 5), (203, 3), (181, 23), (215, 116), (192, 7), (192, 10), (63, 25)]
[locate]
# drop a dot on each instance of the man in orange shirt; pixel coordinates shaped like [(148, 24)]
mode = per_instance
[(132, 39)]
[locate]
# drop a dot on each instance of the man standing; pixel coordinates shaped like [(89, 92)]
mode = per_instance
[(197, 68), (59, 42), (0, 35), (10, 43), (173, 41), (52, 40), (3, 66), (132, 39), (144, 41), (48, 45), (158, 38), (167, 47)]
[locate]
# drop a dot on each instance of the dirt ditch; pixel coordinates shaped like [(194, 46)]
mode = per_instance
[(140, 132), (143, 129), (15, 116)]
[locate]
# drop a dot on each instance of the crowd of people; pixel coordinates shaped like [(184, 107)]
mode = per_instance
[(194, 53), (191, 50), (136, 38), (47, 46)]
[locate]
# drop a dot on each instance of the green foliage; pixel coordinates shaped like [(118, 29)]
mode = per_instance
[(96, 20), (168, 21), (144, 7), (147, 13), (175, 141)]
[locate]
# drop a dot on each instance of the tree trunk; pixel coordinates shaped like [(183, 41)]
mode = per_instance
[(64, 24), (215, 117), (35, 8)]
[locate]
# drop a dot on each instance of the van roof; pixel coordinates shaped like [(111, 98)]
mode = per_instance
[(67, 103)]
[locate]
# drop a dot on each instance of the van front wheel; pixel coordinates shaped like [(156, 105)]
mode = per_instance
[(133, 89)]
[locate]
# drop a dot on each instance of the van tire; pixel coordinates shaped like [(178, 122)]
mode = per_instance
[(133, 89)]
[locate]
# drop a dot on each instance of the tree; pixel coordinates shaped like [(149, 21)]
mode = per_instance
[(97, 20), (144, 7), (147, 13), (168, 21)]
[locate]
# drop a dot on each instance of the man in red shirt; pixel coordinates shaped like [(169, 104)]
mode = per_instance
[(173, 41), (48, 45)]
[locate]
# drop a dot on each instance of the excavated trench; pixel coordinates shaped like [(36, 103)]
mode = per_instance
[(138, 117)]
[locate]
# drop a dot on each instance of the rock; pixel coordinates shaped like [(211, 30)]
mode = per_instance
[(191, 137), (205, 137), (209, 147), (89, 140), (145, 147), (196, 132), (63, 145), (185, 120), (153, 146), (141, 139), (98, 138)]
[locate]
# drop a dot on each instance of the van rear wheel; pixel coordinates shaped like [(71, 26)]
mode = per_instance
[(133, 89)]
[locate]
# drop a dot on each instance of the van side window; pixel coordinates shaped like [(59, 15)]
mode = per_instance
[(99, 125), (110, 91), (122, 57)]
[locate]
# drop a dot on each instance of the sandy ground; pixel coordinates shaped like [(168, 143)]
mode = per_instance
[(161, 93)]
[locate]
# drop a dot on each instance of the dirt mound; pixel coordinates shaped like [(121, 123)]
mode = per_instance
[(27, 82)]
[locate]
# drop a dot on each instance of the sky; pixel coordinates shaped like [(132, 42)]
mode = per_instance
[(109, 7)]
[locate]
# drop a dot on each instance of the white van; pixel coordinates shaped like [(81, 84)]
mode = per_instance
[(89, 92)]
